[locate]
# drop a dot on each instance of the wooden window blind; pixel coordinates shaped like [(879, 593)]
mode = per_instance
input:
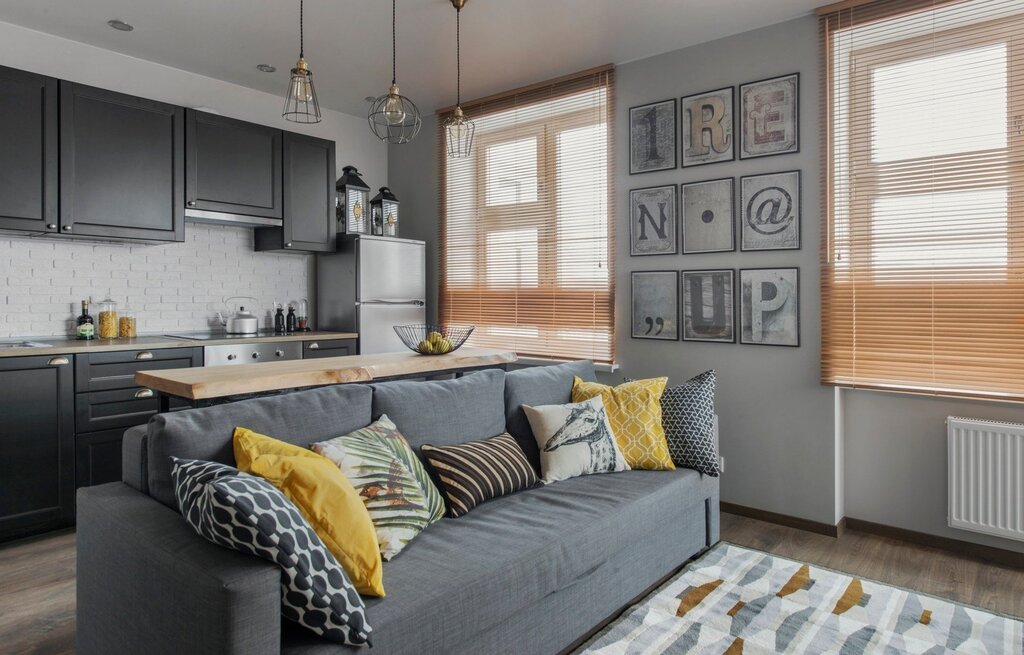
[(923, 247), (526, 238)]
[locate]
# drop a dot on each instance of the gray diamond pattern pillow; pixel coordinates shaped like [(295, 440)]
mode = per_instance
[(688, 415), (246, 513)]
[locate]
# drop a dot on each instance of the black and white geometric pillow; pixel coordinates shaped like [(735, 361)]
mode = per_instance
[(688, 416), (248, 514)]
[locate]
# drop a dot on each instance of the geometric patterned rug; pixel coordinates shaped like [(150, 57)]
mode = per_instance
[(735, 600)]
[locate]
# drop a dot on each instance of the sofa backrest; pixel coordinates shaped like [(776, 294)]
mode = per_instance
[(300, 418)]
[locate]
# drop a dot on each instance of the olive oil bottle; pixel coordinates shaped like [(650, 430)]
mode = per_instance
[(86, 329)]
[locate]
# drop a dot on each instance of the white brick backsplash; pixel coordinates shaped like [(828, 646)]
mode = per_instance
[(171, 287)]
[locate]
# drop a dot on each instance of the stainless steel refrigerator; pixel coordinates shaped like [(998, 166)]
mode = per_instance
[(370, 285)]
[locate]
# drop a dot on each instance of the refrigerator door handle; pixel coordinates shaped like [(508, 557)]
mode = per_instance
[(416, 303)]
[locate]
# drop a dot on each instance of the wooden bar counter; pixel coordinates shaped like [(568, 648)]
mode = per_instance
[(201, 385)]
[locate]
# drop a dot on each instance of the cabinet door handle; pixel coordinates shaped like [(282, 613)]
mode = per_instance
[(58, 361), (145, 354), (314, 346), (144, 393), (191, 203), (66, 228), (51, 226)]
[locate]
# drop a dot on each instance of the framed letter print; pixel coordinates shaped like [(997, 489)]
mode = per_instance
[(707, 209), (652, 221), (770, 306), (707, 128), (655, 301), (769, 120), (770, 211), (652, 137), (708, 304)]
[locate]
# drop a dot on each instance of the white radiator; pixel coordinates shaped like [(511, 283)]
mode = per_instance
[(986, 476)]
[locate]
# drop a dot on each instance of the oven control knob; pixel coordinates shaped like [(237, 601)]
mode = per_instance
[(279, 353), (255, 355), (232, 357)]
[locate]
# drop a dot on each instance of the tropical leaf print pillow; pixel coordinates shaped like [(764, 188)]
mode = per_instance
[(391, 493)]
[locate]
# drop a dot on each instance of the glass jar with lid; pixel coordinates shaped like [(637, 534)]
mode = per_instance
[(107, 319), (126, 325)]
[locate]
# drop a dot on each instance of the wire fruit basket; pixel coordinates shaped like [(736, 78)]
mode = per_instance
[(433, 339)]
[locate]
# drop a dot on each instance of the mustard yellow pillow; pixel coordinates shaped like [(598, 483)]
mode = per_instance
[(324, 497), (634, 412)]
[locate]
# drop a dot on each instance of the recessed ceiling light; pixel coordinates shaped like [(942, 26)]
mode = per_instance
[(370, 99), (266, 68), (120, 25)]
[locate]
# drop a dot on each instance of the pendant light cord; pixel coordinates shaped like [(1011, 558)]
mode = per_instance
[(302, 44), (458, 58), (394, 45)]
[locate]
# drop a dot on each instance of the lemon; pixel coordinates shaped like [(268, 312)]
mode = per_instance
[(425, 347), (434, 337), (443, 346)]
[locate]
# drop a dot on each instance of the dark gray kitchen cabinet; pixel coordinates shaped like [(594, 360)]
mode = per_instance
[(28, 152), (122, 166), (308, 179), (329, 348), (232, 167), (37, 444)]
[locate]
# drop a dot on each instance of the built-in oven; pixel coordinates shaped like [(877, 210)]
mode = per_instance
[(251, 353)]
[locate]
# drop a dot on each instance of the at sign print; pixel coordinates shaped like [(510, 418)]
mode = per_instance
[(708, 306), (769, 118), (652, 221), (770, 306), (652, 137), (707, 127), (655, 301), (770, 211)]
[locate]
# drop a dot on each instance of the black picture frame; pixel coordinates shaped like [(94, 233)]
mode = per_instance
[(733, 218), (744, 209), (733, 298), (741, 117), (648, 320), (633, 157), (634, 223), (683, 131), (742, 313)]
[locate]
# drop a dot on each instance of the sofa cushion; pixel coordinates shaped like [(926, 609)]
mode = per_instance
[(575, 439), (460, 578), (539, 385), (248, 514), (444, 412), (299, 418)]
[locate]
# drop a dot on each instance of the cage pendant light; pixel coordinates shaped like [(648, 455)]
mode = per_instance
[(393, 117), (300, 105), (458, 129)]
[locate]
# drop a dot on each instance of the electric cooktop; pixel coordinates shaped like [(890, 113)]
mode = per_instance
[(208, 336)]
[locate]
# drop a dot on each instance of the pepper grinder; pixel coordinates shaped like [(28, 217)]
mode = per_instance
[(279, 320), (290, 320)]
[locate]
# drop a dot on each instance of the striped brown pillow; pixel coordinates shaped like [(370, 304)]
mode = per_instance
[(473, 472)]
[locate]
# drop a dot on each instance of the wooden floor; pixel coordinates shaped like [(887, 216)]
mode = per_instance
[(37, 576)]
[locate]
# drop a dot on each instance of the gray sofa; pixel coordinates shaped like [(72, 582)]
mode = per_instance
[(527, 573)]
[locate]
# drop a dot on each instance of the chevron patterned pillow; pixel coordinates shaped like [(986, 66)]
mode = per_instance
[(688, 416)]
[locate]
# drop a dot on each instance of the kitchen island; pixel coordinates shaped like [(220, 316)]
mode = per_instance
[(213, 384)]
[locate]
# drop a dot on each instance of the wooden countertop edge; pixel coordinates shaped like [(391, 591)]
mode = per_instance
[(220, 381), (156, 342)]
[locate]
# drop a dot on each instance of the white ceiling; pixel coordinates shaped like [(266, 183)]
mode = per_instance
[(505, 43)]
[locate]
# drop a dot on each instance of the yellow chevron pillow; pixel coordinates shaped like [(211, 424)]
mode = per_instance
[(634, 412), (324, 496)]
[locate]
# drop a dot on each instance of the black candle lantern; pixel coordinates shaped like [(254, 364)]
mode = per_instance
[(352, 202), (384, 209)]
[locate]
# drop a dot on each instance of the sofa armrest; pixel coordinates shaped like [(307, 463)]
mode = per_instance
[(134, 456), (147, 583)]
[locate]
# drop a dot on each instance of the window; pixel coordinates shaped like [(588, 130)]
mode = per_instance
[(526, 244), (923, 248)]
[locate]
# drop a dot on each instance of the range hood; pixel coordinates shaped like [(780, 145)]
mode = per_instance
[(224, 218)]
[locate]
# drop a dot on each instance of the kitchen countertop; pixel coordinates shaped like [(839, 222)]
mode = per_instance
[(220, 381), (71, 346)]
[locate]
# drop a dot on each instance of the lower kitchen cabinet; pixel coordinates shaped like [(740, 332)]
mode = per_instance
[(37, 444), (98, 457), (328, 348)]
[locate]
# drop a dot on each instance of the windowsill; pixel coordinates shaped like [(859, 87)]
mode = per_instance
[(542, 361)]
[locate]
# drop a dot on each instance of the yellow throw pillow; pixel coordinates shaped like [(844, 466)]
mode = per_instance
[(634, 412), (324, 497)]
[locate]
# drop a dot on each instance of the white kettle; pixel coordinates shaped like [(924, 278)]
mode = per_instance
[(242, 321)]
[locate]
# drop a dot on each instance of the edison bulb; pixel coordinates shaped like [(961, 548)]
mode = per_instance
[(302, 88), (394, 111)]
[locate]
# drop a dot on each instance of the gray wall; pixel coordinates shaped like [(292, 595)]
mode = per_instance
[(791, 445)]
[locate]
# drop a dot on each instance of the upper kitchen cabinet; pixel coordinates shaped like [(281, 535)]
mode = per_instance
[(122, 166), (28, 156), (233, 169), (309, 220)]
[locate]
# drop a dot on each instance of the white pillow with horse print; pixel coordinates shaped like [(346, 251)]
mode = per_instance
[(574, 439)]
